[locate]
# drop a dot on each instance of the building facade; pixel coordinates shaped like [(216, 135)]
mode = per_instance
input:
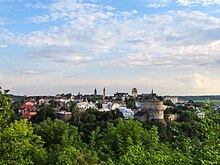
[(134, 92), (174, 100)]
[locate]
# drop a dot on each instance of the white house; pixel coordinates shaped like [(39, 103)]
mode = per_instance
[(110, 105), (104, 110), (127, 113), (86, 105), (115, 106)]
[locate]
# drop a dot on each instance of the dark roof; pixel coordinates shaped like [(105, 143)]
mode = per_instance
[(152, 99), (120, 94), (140, 113)]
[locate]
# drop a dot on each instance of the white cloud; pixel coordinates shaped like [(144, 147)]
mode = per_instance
[(6, 36), (57, 57), (92, 34), (3, 45), (187, 3), (173, 38), (195, 82), (155, 5), (176, 38), (201, 81), (26, 72), (39, 19), (79, 60), (198, 2), (184, 2), (71, 10), (85, 25), (37, 5)]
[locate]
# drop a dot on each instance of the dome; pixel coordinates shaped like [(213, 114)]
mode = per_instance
[(153, 99), (134, 89)]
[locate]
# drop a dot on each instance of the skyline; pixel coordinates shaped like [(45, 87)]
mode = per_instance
[(70, 46)]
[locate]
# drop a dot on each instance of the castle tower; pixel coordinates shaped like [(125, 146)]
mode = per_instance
[(153, 106), (134, 92), (103, 93)]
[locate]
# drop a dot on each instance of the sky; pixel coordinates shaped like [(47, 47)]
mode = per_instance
[(70, 46)]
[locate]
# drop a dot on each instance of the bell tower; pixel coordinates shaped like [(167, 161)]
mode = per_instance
[(134, 92)]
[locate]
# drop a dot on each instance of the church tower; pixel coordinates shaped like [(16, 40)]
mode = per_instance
[(152, 92), (134, 92), (95, 92), (103, 93)]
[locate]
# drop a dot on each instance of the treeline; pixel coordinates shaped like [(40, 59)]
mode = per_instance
[(101, 138), (205, 97)]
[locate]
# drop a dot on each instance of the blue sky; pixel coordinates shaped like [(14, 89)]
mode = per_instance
[(60, 46)]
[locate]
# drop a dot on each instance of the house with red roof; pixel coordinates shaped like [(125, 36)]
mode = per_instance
[(28, 109)]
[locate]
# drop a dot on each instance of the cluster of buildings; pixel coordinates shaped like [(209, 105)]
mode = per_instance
[(63, 103), (149, 107)]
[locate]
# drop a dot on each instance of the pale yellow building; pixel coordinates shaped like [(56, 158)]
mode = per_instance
[(134, 92), (174, 100)]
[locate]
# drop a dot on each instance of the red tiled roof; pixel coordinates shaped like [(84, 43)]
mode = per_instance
[(28, 107)]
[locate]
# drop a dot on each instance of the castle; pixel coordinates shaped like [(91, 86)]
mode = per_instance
[(152, 108)]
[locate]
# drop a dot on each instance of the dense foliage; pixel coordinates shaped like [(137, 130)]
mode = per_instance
[(106, 138)]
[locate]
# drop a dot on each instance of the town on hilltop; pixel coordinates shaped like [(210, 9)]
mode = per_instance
[(143, 107)]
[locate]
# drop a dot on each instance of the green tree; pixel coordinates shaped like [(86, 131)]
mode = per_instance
[(168, 102), (115, 140), (20, 146), (209, 150), (130, 103), (53, 102), (57, 132), (129, 143), (43, 114), (75, 115), (62, 138), (187, 116), (6, 112)]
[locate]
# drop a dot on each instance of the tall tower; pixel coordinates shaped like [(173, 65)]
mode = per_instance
[(103, 93), (134, 92), (95, 92), (152, 92)]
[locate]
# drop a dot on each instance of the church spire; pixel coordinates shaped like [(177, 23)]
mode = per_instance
[(152, 92), (95, 92), (104, 93)]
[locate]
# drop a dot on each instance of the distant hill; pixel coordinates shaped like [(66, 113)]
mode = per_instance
[(17, 98), (205, 97)]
